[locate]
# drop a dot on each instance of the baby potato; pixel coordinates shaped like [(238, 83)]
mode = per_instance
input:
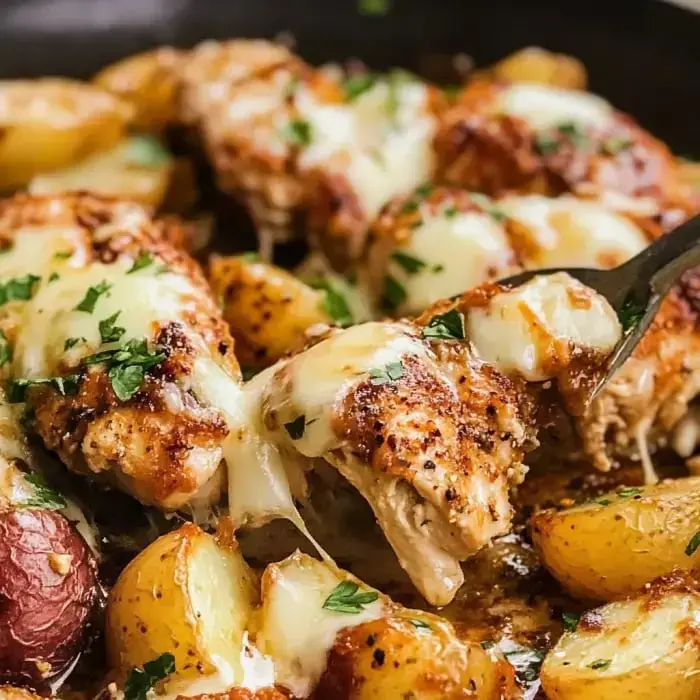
[(138, 168), (149, 82), (536, 65), (48, 587), (186, 594), (267, 308), (646, 648), (610, 547), (7, 692), (51, 123)]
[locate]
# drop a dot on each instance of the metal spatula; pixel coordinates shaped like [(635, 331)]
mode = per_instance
[(635, 289)]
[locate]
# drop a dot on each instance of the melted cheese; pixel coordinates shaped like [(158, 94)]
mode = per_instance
[(459, 253), (568, 232), (522, 329), (313, 383), (545, 106), (296, 630), (381, 141)]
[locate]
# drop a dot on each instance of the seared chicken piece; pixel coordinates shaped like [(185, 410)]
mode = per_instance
[(430, 430), (291, 140), (52, 123), (504, 136)]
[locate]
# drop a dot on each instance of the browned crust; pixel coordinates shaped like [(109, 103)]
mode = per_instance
[(497, 154)]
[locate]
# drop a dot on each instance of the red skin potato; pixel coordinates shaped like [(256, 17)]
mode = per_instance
[(45, 600)]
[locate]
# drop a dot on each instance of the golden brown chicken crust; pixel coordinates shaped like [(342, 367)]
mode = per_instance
[(156, 443), (444, 670), (498, 153), (238, 694)]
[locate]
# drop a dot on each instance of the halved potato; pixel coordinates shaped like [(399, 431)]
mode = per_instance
[(138, 168), (149, 82), (187, 594), (610, 547), (267, 308), (50, 123), (646, 648), (536, 65), (329, 633)]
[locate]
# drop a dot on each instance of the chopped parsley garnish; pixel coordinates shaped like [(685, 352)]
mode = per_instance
[(616, 144), (524, 660), (374, 8), (604, 502), (109, 332), (298, 132), (631, 314), (600, 664), (389, 373), (629, 493), (292, 87), (139, 682), (127, 365), (18, 289), (54, 276), (693, 544), (355, 85), (409, 263), (44, 496), (420, 625), (334, 303), (438, 268), (143, 260), (65, 386), (487, 206), (295, 428), (573, 132), (570, 621), (412, 204), (146, 151), (249, 256), (63, 254), (450, 212), (547, 143), (92, 295), (393, 294), (5, 350), (72, 342), (447, 326), (347, 598)]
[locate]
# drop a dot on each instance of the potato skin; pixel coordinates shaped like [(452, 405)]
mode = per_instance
[(48, 586), (267, 308), (392, 658), (536, 65), (611, 547)]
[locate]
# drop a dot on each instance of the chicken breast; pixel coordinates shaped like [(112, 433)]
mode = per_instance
[(504, 136), (432, 431)]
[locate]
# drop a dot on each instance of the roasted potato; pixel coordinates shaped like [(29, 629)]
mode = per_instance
[(610, 547), (646, 648), (187, 594), (7, 692), (266, 307), (138, 168), (48, 587), (149, 82), (358, 645), (536, 65), (51, 123)]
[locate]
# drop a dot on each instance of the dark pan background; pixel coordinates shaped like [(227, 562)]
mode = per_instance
[(643, 55)]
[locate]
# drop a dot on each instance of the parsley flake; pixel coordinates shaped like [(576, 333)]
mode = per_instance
[(347, 598), (393, 294), (65, 386), (389, 373), (298, 132), (629, 493), (296, 427), (126, 380), (92, 295), (570, 621), (5, 350), (334, 303), (63, 254), (54, 276), (409, 263), (139, 682), (693, 544), (356, 85), (72, 342), (447, 326), (109, 332), (630, 314), (143, 260), (525, 661), (249, 256), (420, 625), (450, 212), (600, 664), (44, 496), (487, 206), (18, 289), (374, 8), (616, 144)]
